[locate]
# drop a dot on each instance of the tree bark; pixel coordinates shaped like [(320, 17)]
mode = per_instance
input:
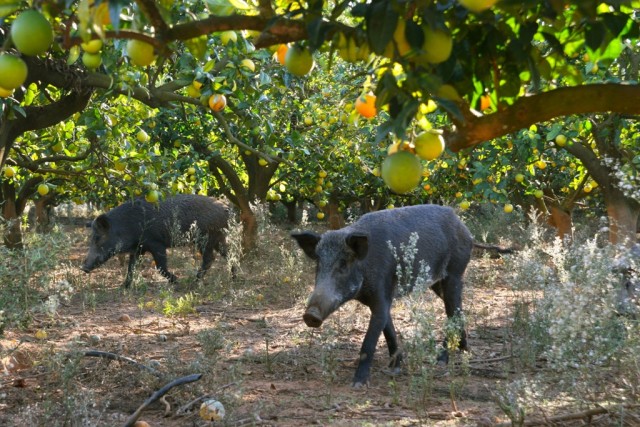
[(292, 211), (336, 219), (13, 231), (560, 219), (42, 217), (623, 217)]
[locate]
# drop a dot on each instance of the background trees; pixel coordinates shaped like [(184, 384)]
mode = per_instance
[(494, 77)]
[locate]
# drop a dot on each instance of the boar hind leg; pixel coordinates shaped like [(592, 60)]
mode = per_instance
[(160, 258), (207, 259), (450, 290)]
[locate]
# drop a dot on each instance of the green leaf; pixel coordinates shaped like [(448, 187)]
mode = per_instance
[(594, 35), (414, 35), (8, 8), (381, 21), (615, 22)]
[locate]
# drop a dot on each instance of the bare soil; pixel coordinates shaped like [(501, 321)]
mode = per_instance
[(247, 339)]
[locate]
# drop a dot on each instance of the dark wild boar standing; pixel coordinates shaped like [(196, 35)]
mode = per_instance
[(356, 262), (137, 226)]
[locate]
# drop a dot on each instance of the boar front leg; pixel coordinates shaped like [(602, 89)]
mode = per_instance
[(392, 344), (131, 268), (380, 318)]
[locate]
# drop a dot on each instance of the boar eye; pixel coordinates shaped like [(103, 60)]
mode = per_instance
[(342, 265)]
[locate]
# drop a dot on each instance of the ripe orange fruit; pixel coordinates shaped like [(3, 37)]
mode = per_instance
[(366, 105), (31, 33), (485, 102), (13, 71), (217, 102), (281, 53), (402, 171)]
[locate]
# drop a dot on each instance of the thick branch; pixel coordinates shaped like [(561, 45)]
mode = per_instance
[(280, 29), (51, 114), (596, 98)]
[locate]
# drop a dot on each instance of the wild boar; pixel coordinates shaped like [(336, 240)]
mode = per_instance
[(358, 262), (138, 226)]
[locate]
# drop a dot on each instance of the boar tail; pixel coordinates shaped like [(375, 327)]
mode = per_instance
[(498, 249)]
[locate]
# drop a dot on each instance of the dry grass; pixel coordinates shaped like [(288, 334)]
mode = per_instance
[(247, 338)]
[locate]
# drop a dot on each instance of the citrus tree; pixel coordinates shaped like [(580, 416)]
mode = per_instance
[(517, 57)]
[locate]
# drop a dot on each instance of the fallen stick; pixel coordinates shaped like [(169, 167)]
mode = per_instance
[(559, 418), (113, 356), (158, 394)]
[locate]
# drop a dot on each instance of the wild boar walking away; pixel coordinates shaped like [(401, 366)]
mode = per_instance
[(359, 262), (138, 226)]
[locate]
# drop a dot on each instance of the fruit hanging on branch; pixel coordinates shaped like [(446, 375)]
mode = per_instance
[(140, 53), (217, 102), (31, 33), (298, 60), (366, 105), (402, 171), (13, 71)]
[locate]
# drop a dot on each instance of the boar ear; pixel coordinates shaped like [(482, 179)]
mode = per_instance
[(308, 241), (359, 243), (102, 224)]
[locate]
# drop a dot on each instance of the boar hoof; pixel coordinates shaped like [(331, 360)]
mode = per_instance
[(393, 371), (359, 385), (312, 317), (443, 358)]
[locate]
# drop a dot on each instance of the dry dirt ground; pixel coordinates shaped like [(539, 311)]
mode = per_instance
[(247, 339)]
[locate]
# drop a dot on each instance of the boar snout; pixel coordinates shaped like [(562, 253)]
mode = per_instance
[(312, 317)]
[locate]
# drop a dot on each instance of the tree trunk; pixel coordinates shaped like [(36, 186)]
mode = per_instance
[(42, 217), (336, 219), (249, 230), (561, 220), (292, 211), (13, 231), (623, 217)]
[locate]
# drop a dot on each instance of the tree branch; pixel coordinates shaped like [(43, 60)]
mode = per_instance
[(281, 30), (595, 98)]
